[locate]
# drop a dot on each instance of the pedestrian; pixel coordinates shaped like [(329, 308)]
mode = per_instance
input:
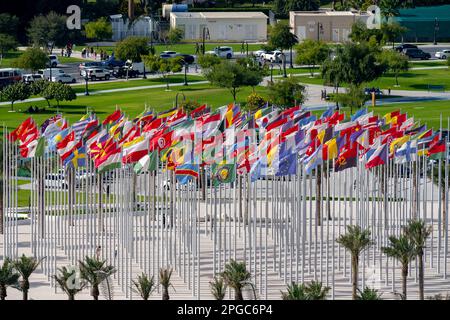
[(196, 48), (389, 91), (324, 94), (95, 55), (62, 52), (243, 47), (321, 94)]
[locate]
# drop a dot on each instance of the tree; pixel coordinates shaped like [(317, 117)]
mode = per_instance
[(311, 291), (9, 24), (254, 74), (282, 7), (232, 76), (132, 48), (218, 288), (392, 31), (207, 61), (48, 31), (7, 43), (25, 266), (389, 8), (360, 33), (356, 240), (418, 232), (144, 286), (95, 271), (402, 249), (368, 294), (8, 278), (282, 38), (15, 92), (287, 93), (254, 102), (165, 274), (32, 59), (67, 281), (175, 35), (354, 98), (395, 62), (237, 277), (163, 66), (38, 87), (59, 92), (311, 53), (100, 29)]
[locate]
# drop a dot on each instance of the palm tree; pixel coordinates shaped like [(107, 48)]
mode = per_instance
[(237, 277), (389, 8), (8, 278), (164, 279), (418, 232), (316, 291), (295, 291), (144, 286), (67, 282), (218, 287), (25, 266), (402, 249), (368, 294), (355, 241), (95, 271)]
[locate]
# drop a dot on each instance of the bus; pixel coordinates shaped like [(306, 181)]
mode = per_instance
[(9, 76)]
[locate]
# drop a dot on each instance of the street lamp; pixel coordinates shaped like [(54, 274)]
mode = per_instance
[(86, 91), (186, 65), (176, 98), (436, 29), (205, 35), (283, 56)]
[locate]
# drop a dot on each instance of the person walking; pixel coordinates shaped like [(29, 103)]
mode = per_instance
[(196, 48)]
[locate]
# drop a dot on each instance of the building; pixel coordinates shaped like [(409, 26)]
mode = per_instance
[(234, 26), (329, 26), (142, 27), (424, 24)]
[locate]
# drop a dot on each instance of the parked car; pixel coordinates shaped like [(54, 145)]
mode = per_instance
[(95, 73), (122, 72), (112, 63), (91, 64), (273, 56), (30, 78), (53, 61), (404, 46), (444, 54), (53, 71), (258, 53), (417, 54), (165, 56), (368, 91), (222, 52), (172, 54), (187, 58), (63, 78)]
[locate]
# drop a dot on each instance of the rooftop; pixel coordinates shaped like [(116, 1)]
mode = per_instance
[(219, 15), (328, 13)]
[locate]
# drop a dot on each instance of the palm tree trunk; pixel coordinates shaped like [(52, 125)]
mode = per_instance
[(3, 292), (165, 294), (421, 276), (25, 285), (355, 260), (404, 279), (238, 295), (95, 292), (71, 297), (25, 295)]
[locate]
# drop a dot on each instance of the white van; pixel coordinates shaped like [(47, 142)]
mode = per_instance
[(46, 72)]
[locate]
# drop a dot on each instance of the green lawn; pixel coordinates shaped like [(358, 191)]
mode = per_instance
[(131, 102), (64, 60), (8, 58), (95, 86), (433, 63)]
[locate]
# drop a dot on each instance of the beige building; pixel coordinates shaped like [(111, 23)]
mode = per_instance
[(330, 26), (233, 26)]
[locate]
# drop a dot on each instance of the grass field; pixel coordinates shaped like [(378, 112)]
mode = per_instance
[(8, 58)]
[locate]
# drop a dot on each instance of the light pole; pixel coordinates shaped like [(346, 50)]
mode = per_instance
[(86, 91), (176, 98), (283, 55), (436, 29), (185, 73)]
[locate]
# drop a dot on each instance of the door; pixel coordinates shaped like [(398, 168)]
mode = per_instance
[(335, 35), (250, 32), (301, 33), (222, 32), (345, 34)]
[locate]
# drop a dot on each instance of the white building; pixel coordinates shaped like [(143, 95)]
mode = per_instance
[(141, 27), (234, 26)]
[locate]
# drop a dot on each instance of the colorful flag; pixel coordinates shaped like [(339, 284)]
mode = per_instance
[(223, 173), (186, 172), (407, 152), (379, 157)]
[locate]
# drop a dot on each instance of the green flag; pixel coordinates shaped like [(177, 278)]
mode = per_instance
[(224, 173), (153, 161)]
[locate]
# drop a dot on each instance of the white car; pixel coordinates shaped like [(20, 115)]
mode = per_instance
[(259, 53), (172, 54), (95, 73), (46, 72), (273, 56), (444, 54), (222, 52), (30, 78), (53, 61), (64, 78)]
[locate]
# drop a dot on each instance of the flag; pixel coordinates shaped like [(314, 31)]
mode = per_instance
[(33, 149), (397, 143), (166, 114), (437, 150), (134, 150), (287, 164), (77, 158), (224, 173), (379, 157), (110, 161), (142, 165), (347, 158), (407, 152), (113, 118), (186, 172), (358, 114), (313, 160)]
